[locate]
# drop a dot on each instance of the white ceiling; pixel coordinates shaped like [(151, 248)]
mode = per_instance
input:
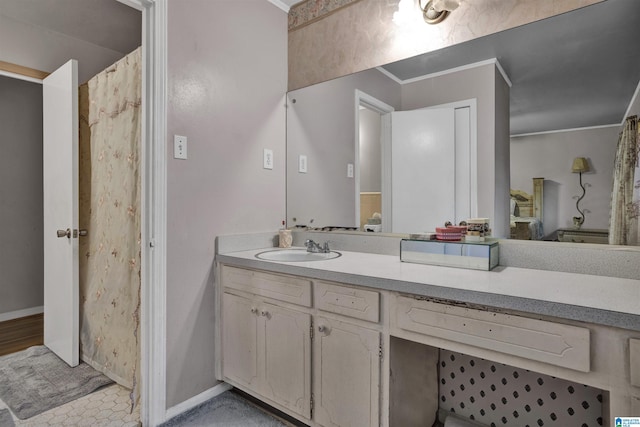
[(106, 23)]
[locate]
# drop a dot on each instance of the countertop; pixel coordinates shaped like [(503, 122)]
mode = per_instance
[(586, 298)]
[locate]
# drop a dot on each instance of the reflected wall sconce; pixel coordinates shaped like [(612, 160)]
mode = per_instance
[(580, 165), (435, 11)]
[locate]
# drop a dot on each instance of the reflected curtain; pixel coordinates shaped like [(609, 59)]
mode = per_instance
[(110, 200), (625, 197)]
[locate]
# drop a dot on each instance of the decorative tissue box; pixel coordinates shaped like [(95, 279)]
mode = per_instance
[(472, 255)]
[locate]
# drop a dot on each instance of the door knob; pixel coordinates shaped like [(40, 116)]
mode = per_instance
[(64, 233)]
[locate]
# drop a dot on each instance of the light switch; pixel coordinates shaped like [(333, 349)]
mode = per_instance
[(267, 159), (179, 147), (349, 170), (302, 164)]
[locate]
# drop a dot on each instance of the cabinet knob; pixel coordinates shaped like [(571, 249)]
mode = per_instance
[(254, 310), (265, 313), (322, 328)]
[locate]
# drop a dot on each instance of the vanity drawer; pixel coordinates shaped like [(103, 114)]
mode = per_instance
[(352, 302), (543, 341), (283, 288)]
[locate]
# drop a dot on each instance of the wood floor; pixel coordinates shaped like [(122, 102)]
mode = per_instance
[(22, 333)]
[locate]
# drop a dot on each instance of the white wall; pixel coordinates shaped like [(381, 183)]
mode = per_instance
[(227, 76), (45, 50), (478, 83), (550, 156), (21, 214)]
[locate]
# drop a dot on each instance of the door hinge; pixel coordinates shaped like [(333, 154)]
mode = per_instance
[(311, 407), (311, 330), (380, 352)]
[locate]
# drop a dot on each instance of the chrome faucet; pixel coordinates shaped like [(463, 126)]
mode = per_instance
[(316, 248)]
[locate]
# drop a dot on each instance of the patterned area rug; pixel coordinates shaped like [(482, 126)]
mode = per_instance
[(36, 380), (6, 420)]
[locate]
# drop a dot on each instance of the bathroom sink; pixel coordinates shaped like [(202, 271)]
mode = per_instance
[(294, 255)]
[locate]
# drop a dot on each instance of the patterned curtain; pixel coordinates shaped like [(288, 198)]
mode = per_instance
[(625, 197), (110, 202)]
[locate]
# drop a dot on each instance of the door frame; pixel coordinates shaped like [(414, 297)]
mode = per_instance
[(154, 210), (365, 100)]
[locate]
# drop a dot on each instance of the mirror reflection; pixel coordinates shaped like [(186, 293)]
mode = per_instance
[(524, 104)]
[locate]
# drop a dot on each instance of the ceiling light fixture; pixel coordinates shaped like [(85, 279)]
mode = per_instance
[(435, 11)]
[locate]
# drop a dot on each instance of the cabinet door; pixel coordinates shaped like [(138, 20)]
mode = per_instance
[(346, 374), (287, 358), (240, 340)]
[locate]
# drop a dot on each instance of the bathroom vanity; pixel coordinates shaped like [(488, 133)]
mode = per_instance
[(357, 340)]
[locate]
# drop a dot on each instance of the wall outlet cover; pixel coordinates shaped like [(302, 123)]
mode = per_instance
[(179, 147), (267, 159), (302, 164)]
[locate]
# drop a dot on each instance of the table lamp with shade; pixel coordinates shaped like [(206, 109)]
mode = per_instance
[(580, 165)]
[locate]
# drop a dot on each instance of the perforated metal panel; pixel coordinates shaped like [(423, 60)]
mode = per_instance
[(495, 394)]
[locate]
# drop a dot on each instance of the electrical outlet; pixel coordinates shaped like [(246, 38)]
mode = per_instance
[(267, 159), (302, 164), (179, 147), (349, 170)]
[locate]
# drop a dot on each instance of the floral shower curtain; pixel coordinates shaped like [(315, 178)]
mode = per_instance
[(625, 197), (110, 202)]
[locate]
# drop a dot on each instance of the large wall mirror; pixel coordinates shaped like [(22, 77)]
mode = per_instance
[(515, 106)]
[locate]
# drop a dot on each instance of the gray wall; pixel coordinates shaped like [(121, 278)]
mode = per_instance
[(550, 156), (21, 241), (321, 125), (227, 76), (478, 83), (35, 47), (370, 151)]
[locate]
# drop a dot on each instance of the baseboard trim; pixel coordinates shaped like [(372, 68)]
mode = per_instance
[(21, 313), (196, 400)]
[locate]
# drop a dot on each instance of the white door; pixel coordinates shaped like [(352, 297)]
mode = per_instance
[(422, 169), (60, 170)]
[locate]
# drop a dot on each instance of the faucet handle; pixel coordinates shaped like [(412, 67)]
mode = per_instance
[(325, 248)]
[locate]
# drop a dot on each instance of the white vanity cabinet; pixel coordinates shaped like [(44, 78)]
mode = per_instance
[(280, 347), (347, 356), (266, 347)]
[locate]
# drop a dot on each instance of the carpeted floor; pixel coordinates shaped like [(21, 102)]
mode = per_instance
[(225, 410), (36, 380), (6, 420)]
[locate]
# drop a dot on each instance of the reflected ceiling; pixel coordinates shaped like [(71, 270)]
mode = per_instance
[(574, 70)]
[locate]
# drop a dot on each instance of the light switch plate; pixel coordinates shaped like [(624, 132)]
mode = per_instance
[(302, 164), (267, 159), (349, 170), (179, 147)]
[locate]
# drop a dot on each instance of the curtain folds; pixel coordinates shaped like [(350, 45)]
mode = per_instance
[(625, 196), (110, 200)]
